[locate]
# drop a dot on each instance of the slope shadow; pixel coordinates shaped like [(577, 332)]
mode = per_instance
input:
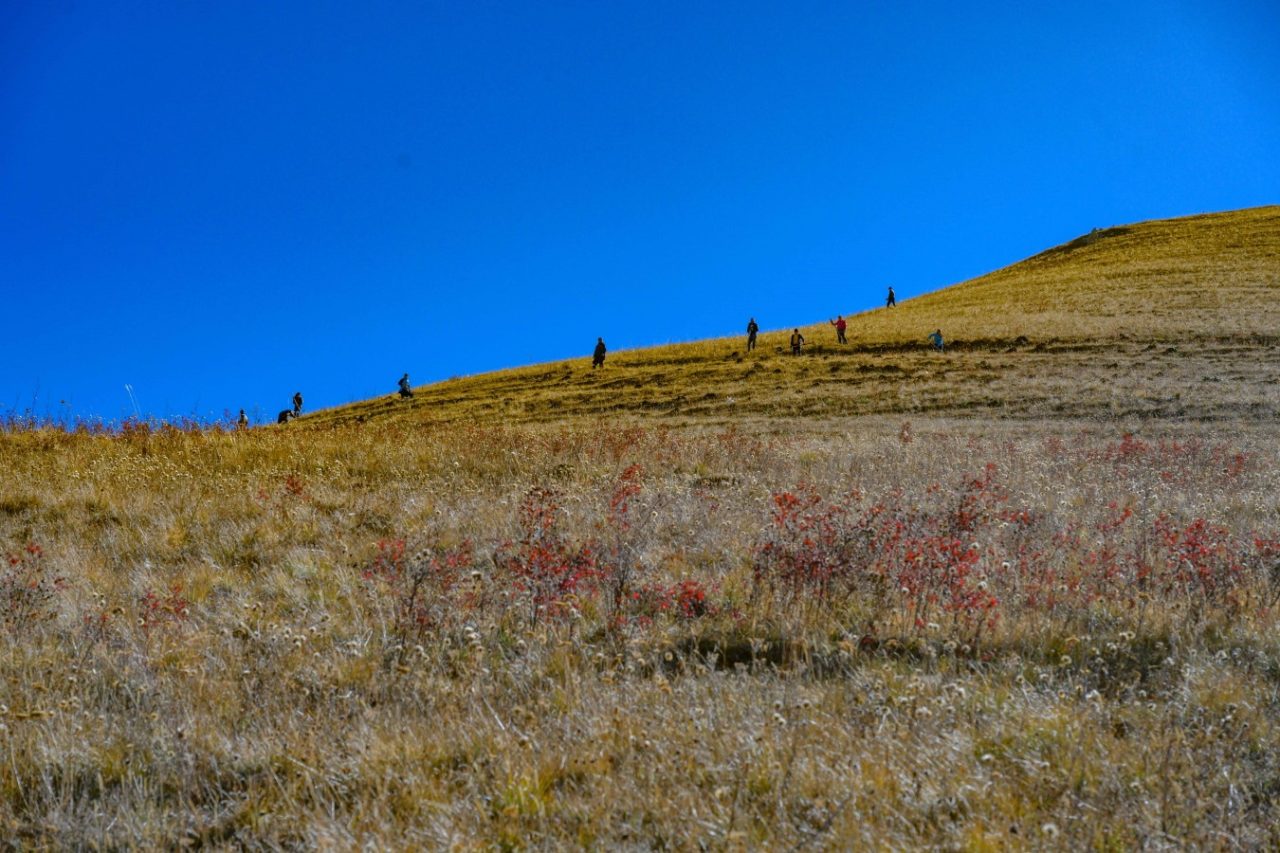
[(1080, 242)]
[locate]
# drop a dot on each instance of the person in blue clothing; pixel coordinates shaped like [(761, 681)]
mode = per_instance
[(936, 340)]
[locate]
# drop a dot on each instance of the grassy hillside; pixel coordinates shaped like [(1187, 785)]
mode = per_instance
[(430, 625), (1173, 319), (400, 636)]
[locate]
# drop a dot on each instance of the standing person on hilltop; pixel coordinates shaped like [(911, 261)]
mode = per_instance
[(597, 356), (752, 328), (936, 340), (797, 341), (242, 422), (840, 325), (297, 403), (892, 300), (405, 389)]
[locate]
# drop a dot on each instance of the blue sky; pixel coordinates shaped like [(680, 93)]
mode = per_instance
[(221, 203)]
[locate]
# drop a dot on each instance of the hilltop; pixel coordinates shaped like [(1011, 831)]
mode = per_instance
[(1171, 319)]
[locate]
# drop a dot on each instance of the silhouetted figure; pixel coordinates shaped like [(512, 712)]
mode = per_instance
[(797, 341), (285, 416), (242, 422), (752, 328), (936, 340), (406, 391), (597, 356), (892, 300), (297, 404), (840, 325)]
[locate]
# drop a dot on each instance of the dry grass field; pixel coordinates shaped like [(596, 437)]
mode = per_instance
[(1175, 319), (1020, 595)]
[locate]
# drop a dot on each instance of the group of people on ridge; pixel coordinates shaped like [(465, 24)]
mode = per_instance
[(797, 342), (286, 415), (841, 325)]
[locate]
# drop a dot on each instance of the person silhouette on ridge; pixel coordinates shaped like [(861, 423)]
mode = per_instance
[(840, 325), (597, 355), (297, 403), (892, 300), (405, 389), (752, 328)]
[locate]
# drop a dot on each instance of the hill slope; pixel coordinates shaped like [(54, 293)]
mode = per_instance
[(812, 632), (1176, 318)]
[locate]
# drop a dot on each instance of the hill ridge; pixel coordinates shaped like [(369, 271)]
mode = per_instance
[(1168, 318)]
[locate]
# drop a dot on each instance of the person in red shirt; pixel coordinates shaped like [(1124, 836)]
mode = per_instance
[(840, 325)]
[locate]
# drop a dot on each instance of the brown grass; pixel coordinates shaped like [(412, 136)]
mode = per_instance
[(1174, 319), (335, 634), (277, 699)]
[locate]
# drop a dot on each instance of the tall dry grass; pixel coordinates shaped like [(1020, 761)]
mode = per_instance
[(939, 633)]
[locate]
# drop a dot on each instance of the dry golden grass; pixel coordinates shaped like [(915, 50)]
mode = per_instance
[(815, 630), (1174, 319), (277, 698)]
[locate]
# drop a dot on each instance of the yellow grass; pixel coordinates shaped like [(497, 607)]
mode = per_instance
[(204, 641), (1174, 319), (282, 706)]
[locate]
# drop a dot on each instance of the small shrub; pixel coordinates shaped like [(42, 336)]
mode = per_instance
[(27, 590), (425, 592), (163, 611), (543, 565)]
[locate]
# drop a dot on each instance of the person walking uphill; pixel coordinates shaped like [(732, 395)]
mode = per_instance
[(892, 300), (405, 389), (797, 341), (297, 403), (597, 356), (936, 340), (840, 325), (752, 328)]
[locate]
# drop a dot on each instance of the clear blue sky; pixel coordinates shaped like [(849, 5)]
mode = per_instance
[(220, 203)]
